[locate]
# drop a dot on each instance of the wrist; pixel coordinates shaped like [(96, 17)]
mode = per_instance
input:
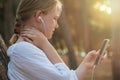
[(86, 66), (51, 53), (81, 71), (45, 45)]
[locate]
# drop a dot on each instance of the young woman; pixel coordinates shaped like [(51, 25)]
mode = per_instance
[(32, 57)]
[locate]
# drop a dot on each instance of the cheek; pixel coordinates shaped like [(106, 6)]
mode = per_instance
[(49, 27), (51, 24)]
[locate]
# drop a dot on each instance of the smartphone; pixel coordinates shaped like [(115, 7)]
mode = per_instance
[(102, 51)]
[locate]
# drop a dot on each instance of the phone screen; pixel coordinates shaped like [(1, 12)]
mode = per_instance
[(102, 51)]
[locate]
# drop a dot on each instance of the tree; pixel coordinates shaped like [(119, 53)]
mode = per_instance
[(9, 17), (68, 41), (116, 40), (8, 20), (86, 26)]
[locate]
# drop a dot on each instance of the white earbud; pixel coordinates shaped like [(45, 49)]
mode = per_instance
[(42, 20), (43, 23)]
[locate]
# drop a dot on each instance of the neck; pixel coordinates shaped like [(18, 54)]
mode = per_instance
[(19, 39)]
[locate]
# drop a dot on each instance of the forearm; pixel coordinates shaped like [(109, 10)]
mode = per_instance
[(37, 38), (51, 53), (81, 71)]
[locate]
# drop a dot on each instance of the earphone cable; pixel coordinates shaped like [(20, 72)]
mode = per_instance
[(92, 74)]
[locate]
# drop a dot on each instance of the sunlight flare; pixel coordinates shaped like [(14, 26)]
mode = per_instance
[(103, 7)]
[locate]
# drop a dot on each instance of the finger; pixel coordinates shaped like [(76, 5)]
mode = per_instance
[(30, 29), (108, 45), (102, 60), (27, 32), (92, 53), (28, 36), (32, 32), (27, 39), (91, 56), (98, 52), (104, 57)]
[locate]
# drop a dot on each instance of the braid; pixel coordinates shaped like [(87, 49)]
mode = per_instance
[(18, 25), (17, 28)]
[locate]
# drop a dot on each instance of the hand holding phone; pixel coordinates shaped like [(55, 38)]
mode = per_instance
[(102, 51)]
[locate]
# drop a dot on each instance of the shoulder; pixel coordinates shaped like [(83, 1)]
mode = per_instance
[(24, 45), (24, 48)]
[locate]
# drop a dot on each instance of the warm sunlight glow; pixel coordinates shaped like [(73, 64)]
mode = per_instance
[(103, 7), (97, 5), (109, 10)]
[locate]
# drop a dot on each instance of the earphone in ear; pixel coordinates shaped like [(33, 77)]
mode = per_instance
[(42, 20), (43, 23)]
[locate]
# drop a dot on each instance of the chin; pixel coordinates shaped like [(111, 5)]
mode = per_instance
[(49, 37)]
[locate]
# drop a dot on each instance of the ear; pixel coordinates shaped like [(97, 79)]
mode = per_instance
[(36, 16)]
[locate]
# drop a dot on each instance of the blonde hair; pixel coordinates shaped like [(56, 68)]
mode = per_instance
[(26, 9)]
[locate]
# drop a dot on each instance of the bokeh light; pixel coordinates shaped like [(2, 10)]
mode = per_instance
[(103, 7)]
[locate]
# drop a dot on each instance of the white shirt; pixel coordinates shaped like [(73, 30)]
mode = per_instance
[(27, 62)]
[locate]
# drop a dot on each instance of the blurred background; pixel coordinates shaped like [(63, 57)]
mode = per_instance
[(83, 26)]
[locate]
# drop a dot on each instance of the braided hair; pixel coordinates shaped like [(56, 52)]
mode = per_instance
[(26, 9)]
